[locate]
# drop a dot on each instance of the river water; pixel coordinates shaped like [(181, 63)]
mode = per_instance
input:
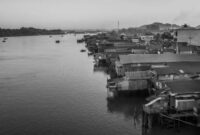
[(53, 89)]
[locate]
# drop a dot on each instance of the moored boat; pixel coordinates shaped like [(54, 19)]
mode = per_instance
[(82, 50), (57, 41)]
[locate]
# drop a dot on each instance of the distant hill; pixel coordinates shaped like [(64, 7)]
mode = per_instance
[(149, 29), (157, 26), (83, 31), (198, 27), (134, 31)]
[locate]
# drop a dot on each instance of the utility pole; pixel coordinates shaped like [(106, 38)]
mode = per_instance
[(177, 48), (190, 48), (118, 26)]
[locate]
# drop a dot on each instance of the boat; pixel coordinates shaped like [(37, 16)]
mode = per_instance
[(90, 53), (4, 39), (57, 41), (83, 50), (195, 76), (80, 40)]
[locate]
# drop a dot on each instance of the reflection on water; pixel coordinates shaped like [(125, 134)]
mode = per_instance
[(100, 69), (130, 108), (157, 130)]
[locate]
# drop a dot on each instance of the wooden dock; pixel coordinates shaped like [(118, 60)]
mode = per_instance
[(170, 120), (175, 120)]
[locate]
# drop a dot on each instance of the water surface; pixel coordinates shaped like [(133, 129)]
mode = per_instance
[(53, 89)]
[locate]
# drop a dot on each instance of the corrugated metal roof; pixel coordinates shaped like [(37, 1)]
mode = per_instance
[(166, 71), (184, 86), (158, 58), (175, 68)]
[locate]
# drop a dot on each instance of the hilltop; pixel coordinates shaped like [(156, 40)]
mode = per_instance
[(157, 26)]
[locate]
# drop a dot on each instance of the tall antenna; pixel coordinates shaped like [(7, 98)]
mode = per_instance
[(118, 26)]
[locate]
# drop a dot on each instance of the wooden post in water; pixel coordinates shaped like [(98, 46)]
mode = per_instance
[(150, 121), (149, 87), (144, 119)]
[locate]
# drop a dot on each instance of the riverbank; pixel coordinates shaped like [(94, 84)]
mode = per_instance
[(28, 32), (161, 76)]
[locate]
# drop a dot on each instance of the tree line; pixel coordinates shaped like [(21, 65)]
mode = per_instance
[(28, 32)]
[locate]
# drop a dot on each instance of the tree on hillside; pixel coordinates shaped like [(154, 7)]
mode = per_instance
[(167, 35)]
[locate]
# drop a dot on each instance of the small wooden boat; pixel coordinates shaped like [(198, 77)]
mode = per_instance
[(80, 40), (4, 39), (194, 76), (83, 50), (90, 53), (57, 41)]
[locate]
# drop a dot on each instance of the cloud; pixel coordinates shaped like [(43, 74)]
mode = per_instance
[(96, 13)]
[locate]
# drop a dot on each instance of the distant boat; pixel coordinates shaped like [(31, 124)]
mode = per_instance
[(57, 41), (4, 39), (50, 36), (90, 53), (194, 76), (80, 40), (82, 50)]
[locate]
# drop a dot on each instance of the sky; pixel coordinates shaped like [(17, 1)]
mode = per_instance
[(96, 14)]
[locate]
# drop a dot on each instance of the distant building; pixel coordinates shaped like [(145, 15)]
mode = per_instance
[(190, 36), (188, 40), (135, 40), (147, 38)]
